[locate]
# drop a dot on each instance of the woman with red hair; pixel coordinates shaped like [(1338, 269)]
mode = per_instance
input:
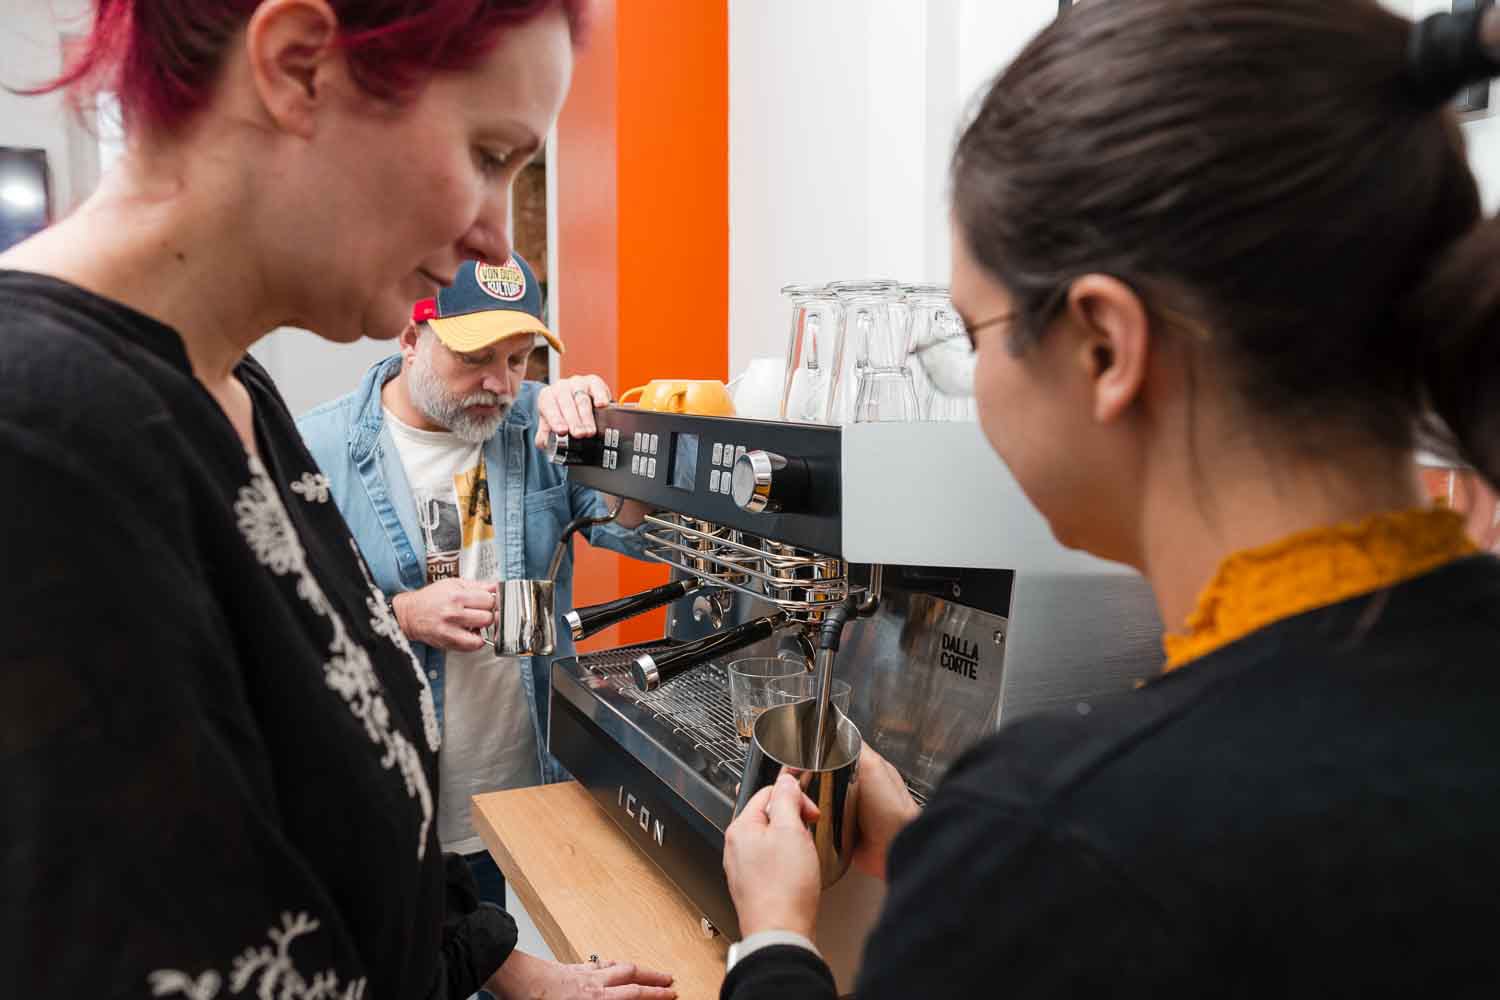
[(223, 785)]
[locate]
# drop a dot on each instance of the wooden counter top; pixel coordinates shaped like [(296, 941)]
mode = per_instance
[(590, 891)]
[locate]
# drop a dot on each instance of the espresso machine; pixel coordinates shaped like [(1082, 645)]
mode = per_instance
[(968, 612)]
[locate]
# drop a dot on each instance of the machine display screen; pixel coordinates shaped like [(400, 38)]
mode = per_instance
[(684, 461)]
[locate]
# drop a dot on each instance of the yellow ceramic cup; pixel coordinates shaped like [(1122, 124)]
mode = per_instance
[(702, 397), (648, 394)]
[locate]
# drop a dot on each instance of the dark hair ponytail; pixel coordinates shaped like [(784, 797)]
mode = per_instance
[(1458, 307), (1284, 174)]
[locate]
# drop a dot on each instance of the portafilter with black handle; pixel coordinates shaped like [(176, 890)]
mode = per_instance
[(651, 670), (591, 620)]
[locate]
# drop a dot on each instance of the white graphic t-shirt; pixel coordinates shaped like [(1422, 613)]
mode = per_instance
[(489, 742)]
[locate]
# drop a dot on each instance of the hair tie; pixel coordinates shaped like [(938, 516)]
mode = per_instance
[(1445, 54)]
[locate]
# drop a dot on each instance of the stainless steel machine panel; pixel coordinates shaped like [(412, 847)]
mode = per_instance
[(936, 494), (925, 679), (891, 493)]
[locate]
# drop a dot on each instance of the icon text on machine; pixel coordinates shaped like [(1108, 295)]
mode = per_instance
[(636, 810)]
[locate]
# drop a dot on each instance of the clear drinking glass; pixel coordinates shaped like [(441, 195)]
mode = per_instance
[(924, 301), (880, 325), (813, 354), (878, 331), (886, 395), (941, 358), (804, 686), (948, 366), (862, 286), (951, 409), (872, 319), (751, 691)]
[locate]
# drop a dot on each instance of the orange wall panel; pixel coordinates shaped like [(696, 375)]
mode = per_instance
[(673, 143), (643, 213)]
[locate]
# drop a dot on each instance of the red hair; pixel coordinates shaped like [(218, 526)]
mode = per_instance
[(161, 57)]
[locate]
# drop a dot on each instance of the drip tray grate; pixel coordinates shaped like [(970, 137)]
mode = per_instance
[(694, 704)]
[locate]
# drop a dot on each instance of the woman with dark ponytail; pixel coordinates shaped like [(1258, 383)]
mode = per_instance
[(218, 754), (1224, 266)]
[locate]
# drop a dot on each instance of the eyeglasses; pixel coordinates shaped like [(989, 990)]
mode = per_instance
[(972, 328), (1168, 317)]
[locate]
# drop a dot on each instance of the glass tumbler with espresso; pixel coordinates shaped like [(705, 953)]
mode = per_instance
[(752, 689)]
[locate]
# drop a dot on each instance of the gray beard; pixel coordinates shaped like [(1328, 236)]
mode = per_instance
[(446, 410)]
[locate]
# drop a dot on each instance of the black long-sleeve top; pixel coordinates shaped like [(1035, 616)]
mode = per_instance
[(1312, 811), (218, 758)]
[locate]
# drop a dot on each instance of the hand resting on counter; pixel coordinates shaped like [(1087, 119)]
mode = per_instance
[(526, 977)]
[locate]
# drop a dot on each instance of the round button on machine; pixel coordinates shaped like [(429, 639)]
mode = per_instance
[(763, 482)]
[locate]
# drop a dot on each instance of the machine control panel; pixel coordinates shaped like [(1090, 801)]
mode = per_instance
[(688, 464), (721, 467)]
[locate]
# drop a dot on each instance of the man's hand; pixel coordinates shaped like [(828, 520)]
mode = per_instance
[(447, 614), (771, 861), (568, 407), (526, 977)]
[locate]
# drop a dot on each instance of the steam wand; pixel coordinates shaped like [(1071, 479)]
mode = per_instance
[(828, 647)]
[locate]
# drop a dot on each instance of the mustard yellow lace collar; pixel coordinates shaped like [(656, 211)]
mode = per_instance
[(1313, 569)]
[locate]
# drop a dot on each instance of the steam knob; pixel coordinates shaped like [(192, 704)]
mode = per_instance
[(765, 482), (563, 449)]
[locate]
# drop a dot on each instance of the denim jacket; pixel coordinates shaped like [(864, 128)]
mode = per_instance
[(531, 498)]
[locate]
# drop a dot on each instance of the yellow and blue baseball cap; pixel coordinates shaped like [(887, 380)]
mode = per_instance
[(486, 303)]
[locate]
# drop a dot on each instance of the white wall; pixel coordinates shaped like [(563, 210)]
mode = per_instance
[(31, 53), (310, 370), (798, 182), (842, 114)]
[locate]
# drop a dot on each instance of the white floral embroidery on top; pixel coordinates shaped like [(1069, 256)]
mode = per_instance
[(267, 528), (271, 971), (383, 621), (312, 487)]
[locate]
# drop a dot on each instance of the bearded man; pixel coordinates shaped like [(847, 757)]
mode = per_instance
[(434, 463)]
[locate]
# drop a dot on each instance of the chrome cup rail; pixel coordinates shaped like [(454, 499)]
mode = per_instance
[(803, 584)]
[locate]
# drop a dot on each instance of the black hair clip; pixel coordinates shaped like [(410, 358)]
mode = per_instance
[(1447, 53)]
